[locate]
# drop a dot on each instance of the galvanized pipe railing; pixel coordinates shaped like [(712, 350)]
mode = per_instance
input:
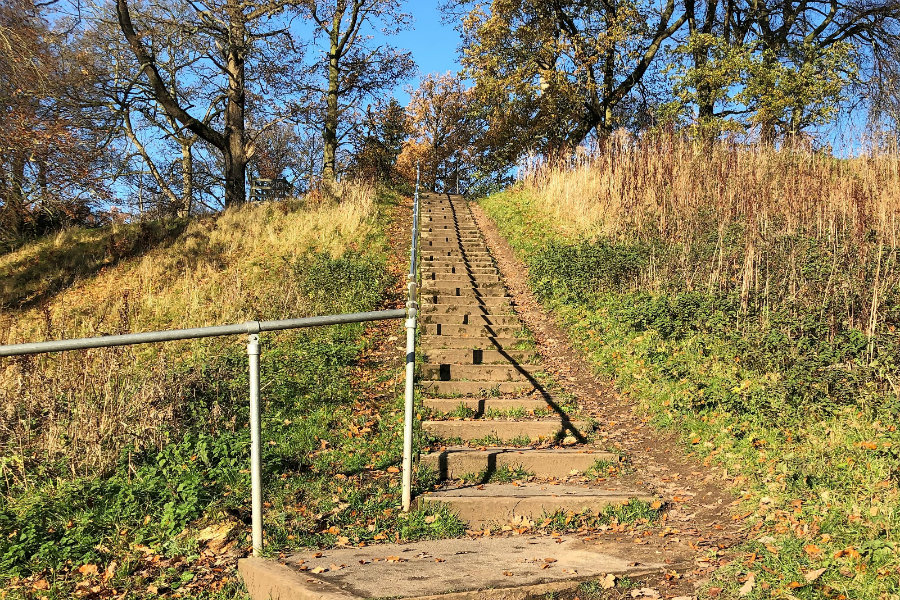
[(412, 307), (252, 329)]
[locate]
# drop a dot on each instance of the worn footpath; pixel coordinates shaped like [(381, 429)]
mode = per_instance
[(561, 485)]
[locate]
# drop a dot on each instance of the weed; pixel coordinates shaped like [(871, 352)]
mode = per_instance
[(634, 512), (502, 474)]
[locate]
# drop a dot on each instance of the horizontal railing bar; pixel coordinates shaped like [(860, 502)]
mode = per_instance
[(171, 335)]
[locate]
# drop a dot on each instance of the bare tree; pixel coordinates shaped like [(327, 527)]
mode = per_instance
[(354, 69), (235, 35)]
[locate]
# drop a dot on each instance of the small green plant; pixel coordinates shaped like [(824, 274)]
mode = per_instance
[(603, 468), (521, 441), (502, 474)]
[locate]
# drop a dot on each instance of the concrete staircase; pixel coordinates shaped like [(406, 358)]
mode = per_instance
[(491, 409), (505, 447)]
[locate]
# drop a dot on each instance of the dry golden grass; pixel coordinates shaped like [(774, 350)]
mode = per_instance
[(81, 408), (671, 185), (759, 221)]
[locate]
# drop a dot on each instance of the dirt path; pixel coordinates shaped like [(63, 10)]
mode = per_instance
[(700, 498)]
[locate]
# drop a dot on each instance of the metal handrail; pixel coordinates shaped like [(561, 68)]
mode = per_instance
[(170, 335), (252, 329)]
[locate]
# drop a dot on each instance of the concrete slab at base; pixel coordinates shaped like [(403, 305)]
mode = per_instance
[(510, 568)]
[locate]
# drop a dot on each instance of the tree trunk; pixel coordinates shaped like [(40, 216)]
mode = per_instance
[(236, 151), (329, 132), (187, 177), (15, 199)]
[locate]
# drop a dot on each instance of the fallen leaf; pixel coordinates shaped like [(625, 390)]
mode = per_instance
[(748, 586), (393, 470), (812, 549), (608, 582), (848, 551), (41, 584), (88, 569)]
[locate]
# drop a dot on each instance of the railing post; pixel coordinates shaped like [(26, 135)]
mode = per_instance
[(409, 397), (255, 459), (411, 322)]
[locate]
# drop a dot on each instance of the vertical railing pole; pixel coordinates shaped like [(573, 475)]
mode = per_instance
[(409, 391), (255, 467), (409, 399)]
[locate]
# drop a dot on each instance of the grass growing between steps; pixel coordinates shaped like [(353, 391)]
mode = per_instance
[(501, 474), (781, 374), (633, 513), (159, 506)]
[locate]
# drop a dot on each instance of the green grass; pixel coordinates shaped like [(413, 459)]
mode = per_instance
[(634, 512), (798, 407), (502, 474), (332, 431)]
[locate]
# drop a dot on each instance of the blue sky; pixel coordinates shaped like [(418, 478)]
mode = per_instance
[(432, 43)]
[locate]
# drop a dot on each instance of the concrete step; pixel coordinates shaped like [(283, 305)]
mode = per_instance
[(467, 247), (451, 237), (484, 405), (459, 461), (455, 250), (472, 330), (480, 357), (473, 263), (457, 319), (428, 271), (466, 299), (459, 279), (442, 230), (474, 388), (431, 342), (459, 266), (501, 502), (437, 238), (458, 308), (467, 568), (456, 257), (467, 288), (451, 372), (505, 429)]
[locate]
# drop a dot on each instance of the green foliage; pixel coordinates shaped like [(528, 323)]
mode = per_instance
[(633, 512), (781, 385), (157, 496), (799, 87), (569, 272)]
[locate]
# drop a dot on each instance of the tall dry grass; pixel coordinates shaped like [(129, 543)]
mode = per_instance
[(778, 226), (673, 186), (75, 411)]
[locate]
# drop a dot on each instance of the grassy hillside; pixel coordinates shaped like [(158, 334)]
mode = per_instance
[(125, 471), (748, 299)]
